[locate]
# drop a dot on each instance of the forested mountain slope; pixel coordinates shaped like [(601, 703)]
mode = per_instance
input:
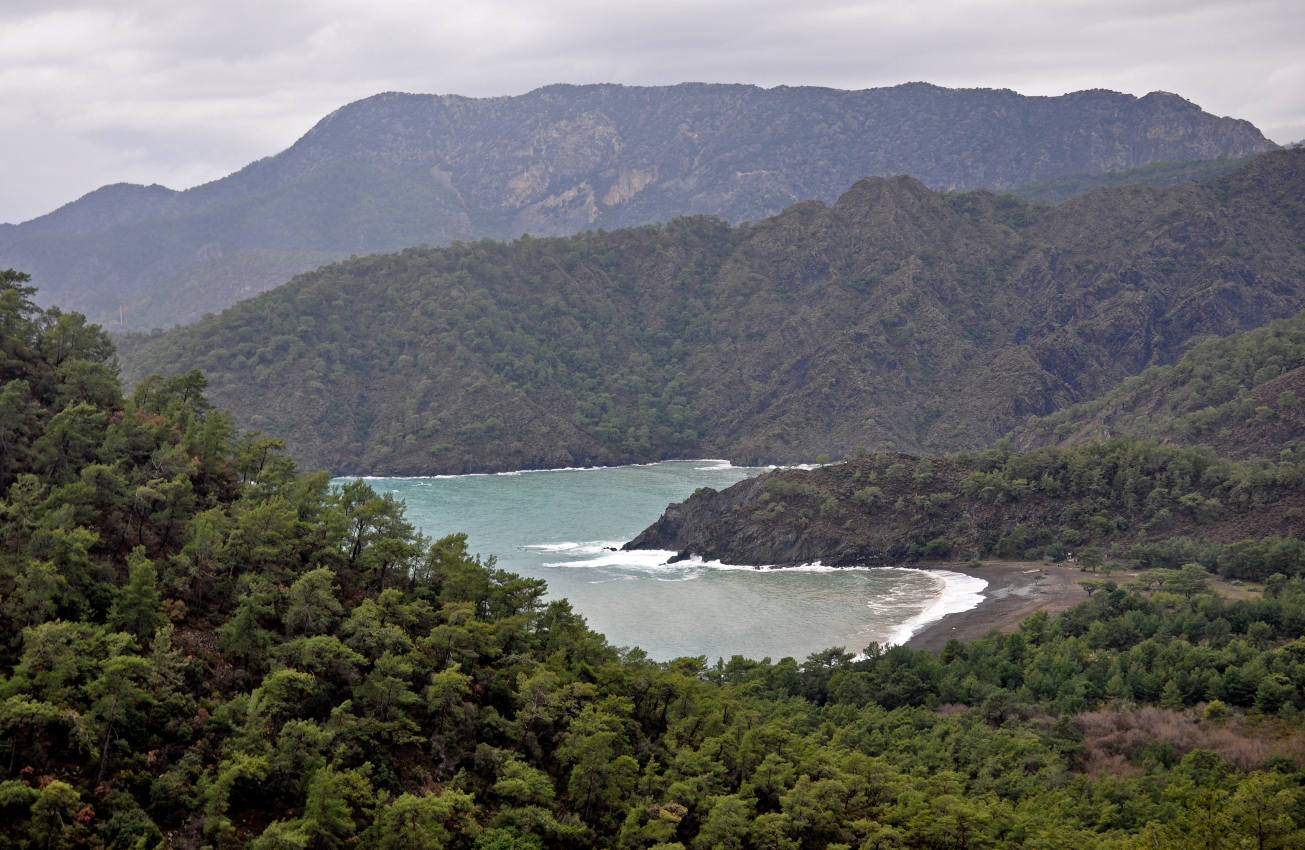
[(397, 170), (1056, 189), (202, 648), (1244, 395), (1128, 499), (897, 318)]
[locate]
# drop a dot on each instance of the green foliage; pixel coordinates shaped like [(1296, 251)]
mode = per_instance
[(1239, 394), (136, 610), (429, 821), (272, 663), (815, 332), (1155, 505)]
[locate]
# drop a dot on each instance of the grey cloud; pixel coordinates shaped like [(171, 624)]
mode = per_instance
[(177, 93)]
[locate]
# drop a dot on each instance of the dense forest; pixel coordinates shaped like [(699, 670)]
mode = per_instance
[(899, 318), (1124, 500), (1195, 463), (1241, 395), (1056, 189), (201, 646)]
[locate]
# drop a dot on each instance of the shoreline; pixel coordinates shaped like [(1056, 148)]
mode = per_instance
[(1016, 590), (720, 463)]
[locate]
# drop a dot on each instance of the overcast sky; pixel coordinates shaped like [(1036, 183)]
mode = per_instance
[(181, 92)]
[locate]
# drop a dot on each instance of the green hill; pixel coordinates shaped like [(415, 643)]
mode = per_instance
[(1240, 394), (202, 648), (1128, 500), (899, 318), (1057, 189)]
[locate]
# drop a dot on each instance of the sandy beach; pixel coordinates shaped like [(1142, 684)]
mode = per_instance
[(1015, 590)]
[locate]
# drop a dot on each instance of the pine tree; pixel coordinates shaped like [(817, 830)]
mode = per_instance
[(136, 609)]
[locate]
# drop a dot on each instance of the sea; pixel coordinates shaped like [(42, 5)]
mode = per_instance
[(566, 526)]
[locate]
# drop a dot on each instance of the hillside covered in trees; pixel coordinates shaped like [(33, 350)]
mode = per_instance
[(202, 647), (1056, 189), (397, 170), (899, 318), (1124, 499), (1181, 464), (1241, 395)]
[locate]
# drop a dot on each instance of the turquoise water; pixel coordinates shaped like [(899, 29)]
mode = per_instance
[(562, 525)]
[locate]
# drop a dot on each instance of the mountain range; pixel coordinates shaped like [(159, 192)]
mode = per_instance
[(397, 170), (898, 318)]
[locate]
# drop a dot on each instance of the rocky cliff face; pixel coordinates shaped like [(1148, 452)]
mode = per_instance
[(397, 170)]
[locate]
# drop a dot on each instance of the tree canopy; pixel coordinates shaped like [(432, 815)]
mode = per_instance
[(201, 646)]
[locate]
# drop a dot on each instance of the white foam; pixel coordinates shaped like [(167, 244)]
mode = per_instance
[(686, 569), (957, 592), (639, 559), (648, 559), (815, 567), (715, 464), (565, 546), (592, 547)]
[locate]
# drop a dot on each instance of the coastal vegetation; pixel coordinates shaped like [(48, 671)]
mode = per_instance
[(202, 646), (1123, 500), (899, 318)]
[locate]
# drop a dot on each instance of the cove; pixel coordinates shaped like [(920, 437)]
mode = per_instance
[(566, 526)]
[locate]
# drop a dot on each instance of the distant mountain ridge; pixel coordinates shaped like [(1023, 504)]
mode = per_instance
[(899, 318), (397, 170)]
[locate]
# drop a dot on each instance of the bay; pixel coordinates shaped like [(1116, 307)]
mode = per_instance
[(564, 525)]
